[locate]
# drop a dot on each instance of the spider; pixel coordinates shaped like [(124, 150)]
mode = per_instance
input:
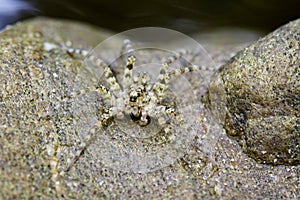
[(137, 98)]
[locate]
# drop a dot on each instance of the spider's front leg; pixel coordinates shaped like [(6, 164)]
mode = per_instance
[(127, 79), (162, 85), (113, 85), (128, 53)]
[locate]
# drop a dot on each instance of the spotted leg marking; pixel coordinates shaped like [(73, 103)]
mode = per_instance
[(92, 134), (161, 86), (127, 79), (110, 78), (184, 70), (165, 76)]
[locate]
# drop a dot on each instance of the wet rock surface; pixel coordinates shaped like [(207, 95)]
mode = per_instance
[(38, 138), (257, 97)]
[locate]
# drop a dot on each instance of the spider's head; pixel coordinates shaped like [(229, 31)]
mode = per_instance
[(138, 99), (136, 95)]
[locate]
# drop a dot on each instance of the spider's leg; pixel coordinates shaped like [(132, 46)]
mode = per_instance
[(184, 70), (127, 49), (110, 78), (109, 75), (81, 52), (105, 92), (107, 95), (166, 111), (148, 98), (164, 78), (161, 86), (134, 96), (83, 146), (171, 59), (145, 81), (110, 93), (142, 79), (90, 138), (127, 79), (129, 58)]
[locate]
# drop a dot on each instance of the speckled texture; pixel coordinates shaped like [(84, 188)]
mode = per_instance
[(37, 135), (257, 97)]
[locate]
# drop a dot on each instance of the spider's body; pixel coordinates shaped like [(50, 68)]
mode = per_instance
[(138, 98)]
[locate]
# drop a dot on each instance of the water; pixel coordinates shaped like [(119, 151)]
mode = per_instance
[(185, 16)]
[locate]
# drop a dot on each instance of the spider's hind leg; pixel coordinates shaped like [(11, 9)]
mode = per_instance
[(103, 122)]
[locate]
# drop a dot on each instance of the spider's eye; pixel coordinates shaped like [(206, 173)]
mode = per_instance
[(132, 98), (140, 89)]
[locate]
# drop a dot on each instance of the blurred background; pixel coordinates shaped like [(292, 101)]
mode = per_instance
[(187, 16)]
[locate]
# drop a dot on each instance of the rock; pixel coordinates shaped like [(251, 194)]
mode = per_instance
[(256, 96), (39, 135), (33, 83)]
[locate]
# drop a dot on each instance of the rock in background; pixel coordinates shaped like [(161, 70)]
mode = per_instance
[(256, 96)]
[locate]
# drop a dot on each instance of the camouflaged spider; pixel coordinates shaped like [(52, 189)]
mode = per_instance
[(137, 97)]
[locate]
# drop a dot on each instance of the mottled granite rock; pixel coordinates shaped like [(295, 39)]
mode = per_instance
[(257, 97), (38, 138)]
